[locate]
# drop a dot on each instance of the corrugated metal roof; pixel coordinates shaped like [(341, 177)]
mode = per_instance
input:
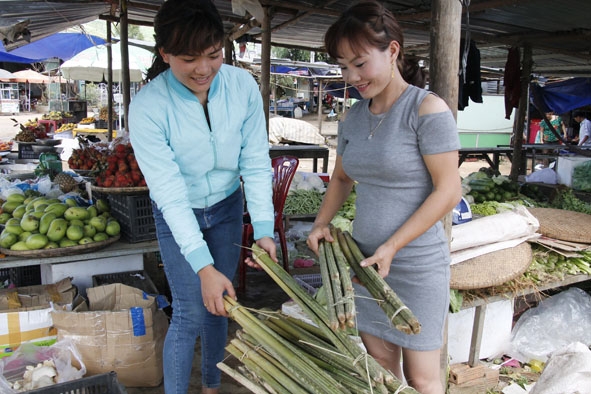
[(558, 31)]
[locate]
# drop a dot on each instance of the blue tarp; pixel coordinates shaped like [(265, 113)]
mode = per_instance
[(61, 45), (6, 57), (305, 71), (337, 89), (561, 97)]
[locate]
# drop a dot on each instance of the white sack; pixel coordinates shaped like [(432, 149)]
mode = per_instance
[(504, 226), (568, 370)]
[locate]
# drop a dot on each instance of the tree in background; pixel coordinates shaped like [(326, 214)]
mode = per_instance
[(298, 55)]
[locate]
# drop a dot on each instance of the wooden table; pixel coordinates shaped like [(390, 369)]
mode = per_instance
[(314, 152), (481, 303), (486, 153), (117, 249)]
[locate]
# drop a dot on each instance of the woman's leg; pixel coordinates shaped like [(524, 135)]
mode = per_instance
[(221, 226), (385, 353), (179, 345), (423, 370), (222, 230)]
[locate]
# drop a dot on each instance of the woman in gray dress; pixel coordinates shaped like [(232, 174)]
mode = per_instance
[(399, 146)]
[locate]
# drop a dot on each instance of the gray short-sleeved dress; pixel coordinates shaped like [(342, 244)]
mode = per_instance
[(393, 182)]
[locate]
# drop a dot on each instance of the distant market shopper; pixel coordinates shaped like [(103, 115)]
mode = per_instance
[(584, 128)]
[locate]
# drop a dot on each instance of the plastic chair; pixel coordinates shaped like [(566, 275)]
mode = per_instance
[(284, 168)]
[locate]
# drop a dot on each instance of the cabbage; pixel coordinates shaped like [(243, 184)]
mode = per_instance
[(342, 223)]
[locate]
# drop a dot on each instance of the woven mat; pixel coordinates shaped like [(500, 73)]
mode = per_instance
[(562, 224), (491, 269)]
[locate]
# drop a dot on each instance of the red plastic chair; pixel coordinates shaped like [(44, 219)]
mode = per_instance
[(284, 168)]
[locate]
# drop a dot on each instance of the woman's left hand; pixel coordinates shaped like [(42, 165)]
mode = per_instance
[(267, 244), (382, 258)]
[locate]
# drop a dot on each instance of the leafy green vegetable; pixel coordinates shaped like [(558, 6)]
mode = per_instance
[(455, 300)]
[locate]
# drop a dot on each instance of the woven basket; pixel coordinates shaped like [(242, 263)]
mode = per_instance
[(562, 224), (491, 269)]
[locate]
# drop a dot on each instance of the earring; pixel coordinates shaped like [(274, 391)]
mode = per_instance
[(393, 65)]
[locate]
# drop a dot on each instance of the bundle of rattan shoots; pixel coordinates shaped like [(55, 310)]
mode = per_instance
[(400, 315), (280, 354), (334, 270)]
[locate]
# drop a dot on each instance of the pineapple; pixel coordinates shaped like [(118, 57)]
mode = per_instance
[(65, 182)]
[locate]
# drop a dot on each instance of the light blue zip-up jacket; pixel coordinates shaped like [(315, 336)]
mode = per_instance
[(187, 165)]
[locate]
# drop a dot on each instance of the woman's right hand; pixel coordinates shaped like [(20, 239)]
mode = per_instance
[(319, 231)]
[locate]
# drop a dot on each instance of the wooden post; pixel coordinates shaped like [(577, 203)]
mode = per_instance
[(125, 79), (319, 106), (446, 23), (266, 62), (526, 68), (109, 84), (228, 51)]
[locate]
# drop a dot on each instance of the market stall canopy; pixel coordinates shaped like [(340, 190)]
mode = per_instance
[(29, 76), (92, 64), (5, 75), (6, 57), (558, 31), (61, 45), (561, 97)]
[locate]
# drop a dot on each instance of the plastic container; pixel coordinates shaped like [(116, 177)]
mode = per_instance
[(27, 152), (134, 214), (137, 279), (310, 282), (97, 384), (21, 276)]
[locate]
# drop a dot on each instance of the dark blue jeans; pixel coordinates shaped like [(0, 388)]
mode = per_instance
[(221, 225)]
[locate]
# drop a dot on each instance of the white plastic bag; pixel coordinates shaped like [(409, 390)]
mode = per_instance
[(568, 370), (554, 324), (64, 354)]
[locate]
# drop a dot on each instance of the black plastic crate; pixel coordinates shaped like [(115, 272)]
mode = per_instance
[(134, 214), (137, 279), (27, 152), (106, 383), (21, 276)]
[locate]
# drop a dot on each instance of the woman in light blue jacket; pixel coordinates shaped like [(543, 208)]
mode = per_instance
[(196, 128)]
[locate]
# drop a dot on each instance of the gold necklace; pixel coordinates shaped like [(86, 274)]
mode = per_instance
[(371, 133)]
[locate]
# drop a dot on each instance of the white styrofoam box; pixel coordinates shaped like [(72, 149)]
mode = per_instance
[(565, 166), (82, 271), (498, 321)]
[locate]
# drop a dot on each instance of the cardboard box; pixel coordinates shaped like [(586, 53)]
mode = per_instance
[(122, 330), (82, 271), (25, 313)]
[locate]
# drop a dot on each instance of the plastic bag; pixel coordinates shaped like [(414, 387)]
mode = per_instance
[(65, 355), (555, 323), (568, 370)]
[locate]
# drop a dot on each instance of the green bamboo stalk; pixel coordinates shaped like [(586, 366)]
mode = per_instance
[(327, 283), (243, 380), (281, 383), (314, 330), (322, 354), (336, 285), (397, 312), (370, 367), (348, 291), (303, 369)]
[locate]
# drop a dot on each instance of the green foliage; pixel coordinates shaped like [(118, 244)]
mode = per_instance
[(566, 199)]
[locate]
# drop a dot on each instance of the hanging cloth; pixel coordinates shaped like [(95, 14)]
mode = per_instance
[(512, 81), (470, 82)]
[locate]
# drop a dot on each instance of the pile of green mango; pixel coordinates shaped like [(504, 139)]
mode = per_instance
[(32, 223)]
